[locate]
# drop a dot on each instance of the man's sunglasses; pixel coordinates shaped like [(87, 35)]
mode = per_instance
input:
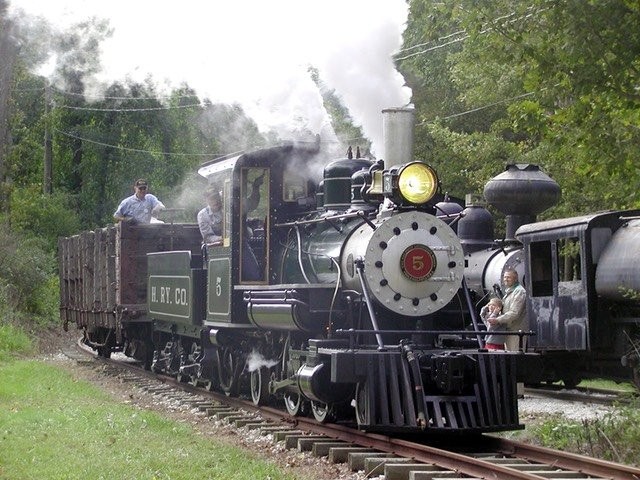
[(142, 187)]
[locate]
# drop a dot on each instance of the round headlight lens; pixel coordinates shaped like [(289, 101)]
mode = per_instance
[(417, 183)]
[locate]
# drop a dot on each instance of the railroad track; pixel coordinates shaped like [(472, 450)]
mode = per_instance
[(482, 457), (585, 395)]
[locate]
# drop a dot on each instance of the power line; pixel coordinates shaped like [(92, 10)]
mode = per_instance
[(461, 39), (95, 142), (69, 107), (105, 97), (484, 107)]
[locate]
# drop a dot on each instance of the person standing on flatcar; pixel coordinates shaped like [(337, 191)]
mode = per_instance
[(514, 315), (210, 218), (490, 311), (139, 207)]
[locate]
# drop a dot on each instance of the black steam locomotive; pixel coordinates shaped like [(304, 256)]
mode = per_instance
[(340, 299), (582, 275)]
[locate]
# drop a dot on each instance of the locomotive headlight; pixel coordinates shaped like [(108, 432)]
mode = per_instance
[(417, 182)]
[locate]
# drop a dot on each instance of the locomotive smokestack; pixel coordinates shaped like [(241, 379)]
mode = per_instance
[(397, 130)]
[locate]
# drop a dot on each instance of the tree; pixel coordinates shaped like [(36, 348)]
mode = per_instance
[(557, 80)]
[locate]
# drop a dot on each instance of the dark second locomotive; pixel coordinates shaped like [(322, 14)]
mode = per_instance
[(328, 298)]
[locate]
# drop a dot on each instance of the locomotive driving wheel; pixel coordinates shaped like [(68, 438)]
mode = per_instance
[(229, 369), (295, 404), (323, 412), (260, 386)]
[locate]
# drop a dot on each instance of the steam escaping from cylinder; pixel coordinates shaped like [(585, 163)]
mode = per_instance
[(255, 361)]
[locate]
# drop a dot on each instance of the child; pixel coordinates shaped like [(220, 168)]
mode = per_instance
[(490, 311)]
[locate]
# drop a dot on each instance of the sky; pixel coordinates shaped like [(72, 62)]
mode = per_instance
[(255, 52)]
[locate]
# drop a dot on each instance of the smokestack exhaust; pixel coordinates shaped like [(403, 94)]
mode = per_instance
[(397, 131)]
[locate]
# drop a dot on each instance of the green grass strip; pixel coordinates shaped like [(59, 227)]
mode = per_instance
[(53, 427)]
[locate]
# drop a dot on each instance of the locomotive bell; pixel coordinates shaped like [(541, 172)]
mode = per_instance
[(521, 192)]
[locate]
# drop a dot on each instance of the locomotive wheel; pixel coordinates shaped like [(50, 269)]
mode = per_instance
[(571, 380), (229, 372), (295, 404), (104, 352), (363, 405), (323, 412), (260, 386)]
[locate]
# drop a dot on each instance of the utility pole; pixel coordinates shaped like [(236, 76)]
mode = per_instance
[(47, 187)]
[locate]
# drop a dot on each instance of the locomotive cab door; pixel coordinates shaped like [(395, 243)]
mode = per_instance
[(254, 225), (557, 303)]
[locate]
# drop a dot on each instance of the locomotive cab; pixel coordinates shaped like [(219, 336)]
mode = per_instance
[(258, 189), (573, 303)]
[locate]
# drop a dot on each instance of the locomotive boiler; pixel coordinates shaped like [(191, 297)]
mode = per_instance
[(330, 295)]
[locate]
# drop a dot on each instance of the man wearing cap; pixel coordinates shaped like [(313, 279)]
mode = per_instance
[(139, 207)]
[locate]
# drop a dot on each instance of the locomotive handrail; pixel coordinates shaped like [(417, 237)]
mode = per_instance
[(529, 333), (351, 332), (474, 318), (326, 219)]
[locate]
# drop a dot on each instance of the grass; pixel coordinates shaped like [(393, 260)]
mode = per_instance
[(54, 427), (602, 384), (614, 437), (13, 340)]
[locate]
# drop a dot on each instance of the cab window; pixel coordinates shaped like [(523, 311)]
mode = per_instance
[(293, 187), (254, 217)]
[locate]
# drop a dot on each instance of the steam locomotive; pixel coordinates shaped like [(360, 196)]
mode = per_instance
[(342, 298), (582, 275)]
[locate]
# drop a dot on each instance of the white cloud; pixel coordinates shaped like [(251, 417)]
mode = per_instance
[(254, 52)]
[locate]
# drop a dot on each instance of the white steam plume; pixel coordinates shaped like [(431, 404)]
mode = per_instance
[(254, 53)]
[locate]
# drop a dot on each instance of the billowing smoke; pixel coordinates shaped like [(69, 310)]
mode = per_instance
[(255, 54)]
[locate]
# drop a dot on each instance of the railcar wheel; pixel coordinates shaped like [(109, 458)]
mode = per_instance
[(636, 377), (260, 386), (105, 351), (323, 412), (295, 404), (363, 404)]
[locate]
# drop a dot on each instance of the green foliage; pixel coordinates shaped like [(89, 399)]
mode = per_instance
[(558, 80), (43, 216), (614, 437), (349, 134), (52, 423), (26, 269)]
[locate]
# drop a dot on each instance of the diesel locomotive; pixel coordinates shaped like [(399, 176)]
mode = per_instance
[(340, 297)]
